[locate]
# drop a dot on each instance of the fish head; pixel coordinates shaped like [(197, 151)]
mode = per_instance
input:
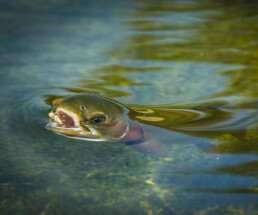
[(89, 117)]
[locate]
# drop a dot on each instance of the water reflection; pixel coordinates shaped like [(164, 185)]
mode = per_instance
[(114, 76), (209, 29), (213, 35)]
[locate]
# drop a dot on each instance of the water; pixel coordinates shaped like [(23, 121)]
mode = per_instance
[(169, 60)]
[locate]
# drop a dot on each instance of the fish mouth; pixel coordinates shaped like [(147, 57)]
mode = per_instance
[(68, 124), (64, 119)]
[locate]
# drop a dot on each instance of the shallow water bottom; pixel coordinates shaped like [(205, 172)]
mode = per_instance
[(44, 173)]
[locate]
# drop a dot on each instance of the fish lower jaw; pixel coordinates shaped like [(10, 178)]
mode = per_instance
[(75, 132), (56, 125), (68, 131)]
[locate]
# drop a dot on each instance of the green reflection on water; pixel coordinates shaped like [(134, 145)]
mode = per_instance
[(160, 56), (224, 32)]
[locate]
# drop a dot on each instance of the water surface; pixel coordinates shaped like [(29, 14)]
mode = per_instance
[(188, 67)]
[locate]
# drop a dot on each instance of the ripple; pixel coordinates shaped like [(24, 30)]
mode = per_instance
[(26, 112), (199, 118), (170, 116)]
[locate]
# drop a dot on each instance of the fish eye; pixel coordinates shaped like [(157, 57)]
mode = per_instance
[(98, 119), (82, 107)]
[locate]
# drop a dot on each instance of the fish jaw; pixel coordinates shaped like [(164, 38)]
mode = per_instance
[(67, 123), (62, 118)]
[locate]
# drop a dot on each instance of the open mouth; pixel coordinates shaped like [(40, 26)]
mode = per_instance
[(67, 123), (63, 120), (66, 120)]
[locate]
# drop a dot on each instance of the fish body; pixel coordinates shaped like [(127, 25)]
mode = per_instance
[(95, 118)]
